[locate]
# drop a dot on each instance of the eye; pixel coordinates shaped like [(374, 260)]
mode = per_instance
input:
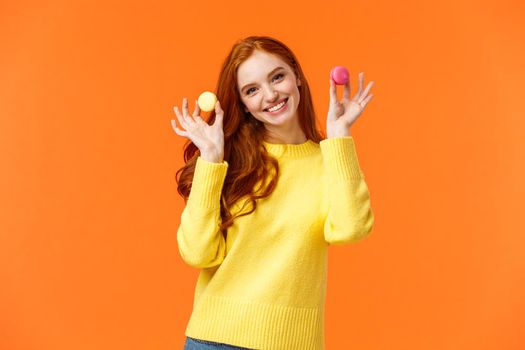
[(248, 91), (278, 75)]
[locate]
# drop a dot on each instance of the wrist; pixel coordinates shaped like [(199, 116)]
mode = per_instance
[(338, 133), (213, 158)]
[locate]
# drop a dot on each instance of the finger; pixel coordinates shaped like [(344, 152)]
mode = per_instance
[(197, 110), (199, 120), (185, 113), (180, 117), (196, 115), (346, 93), (357, 96), (365, 93), (185, 106), (366, 100), (333, 92), (219, 114), (177, 130), (361, 79)]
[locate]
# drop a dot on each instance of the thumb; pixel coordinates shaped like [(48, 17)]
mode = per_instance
[(333, 91), (219, 113)]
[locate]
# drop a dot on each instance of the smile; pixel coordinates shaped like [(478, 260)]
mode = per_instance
[(279, 108)]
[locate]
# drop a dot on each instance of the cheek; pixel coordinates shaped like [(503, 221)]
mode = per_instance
[(289, 85), (251, 105)]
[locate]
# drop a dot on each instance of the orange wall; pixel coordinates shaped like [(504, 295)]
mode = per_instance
[(89, 207)]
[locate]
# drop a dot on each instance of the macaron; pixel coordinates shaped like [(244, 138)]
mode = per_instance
[(339, 75), (207, 101)]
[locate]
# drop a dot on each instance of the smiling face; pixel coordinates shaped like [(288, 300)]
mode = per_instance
[(262, 85)]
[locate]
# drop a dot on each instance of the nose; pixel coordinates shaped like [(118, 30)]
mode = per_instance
[(271, 95)]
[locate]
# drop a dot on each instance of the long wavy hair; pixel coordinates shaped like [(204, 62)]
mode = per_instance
[(252, 172)]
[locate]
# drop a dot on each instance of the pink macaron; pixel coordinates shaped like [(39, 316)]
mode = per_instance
[(339, 75)]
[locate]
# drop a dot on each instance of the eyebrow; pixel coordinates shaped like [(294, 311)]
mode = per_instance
[(273, 71)]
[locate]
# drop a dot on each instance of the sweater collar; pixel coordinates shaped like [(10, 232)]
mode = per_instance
[(290, 149)]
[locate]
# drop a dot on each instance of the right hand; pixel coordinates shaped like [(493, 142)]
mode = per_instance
[(208, 138)]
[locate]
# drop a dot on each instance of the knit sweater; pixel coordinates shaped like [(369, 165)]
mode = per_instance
[(264, 287)]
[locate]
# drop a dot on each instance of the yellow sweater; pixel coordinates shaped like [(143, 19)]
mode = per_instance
[(265, 286)]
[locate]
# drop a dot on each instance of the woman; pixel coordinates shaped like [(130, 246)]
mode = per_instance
[(265, 195)]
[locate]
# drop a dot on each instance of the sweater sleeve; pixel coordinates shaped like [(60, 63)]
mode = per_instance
[(201, 243), (348, 215)]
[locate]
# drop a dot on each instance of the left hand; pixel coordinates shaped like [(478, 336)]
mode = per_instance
[(341, 115)]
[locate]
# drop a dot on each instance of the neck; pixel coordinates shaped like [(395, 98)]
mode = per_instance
[(297, 150), (287, 140), (294, 138)]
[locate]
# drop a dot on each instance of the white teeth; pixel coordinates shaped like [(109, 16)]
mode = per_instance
[(273, 109)]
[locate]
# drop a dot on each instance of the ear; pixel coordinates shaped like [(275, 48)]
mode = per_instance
[(298, 82)]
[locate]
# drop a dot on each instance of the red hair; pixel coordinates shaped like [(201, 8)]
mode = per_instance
[(249, 164)]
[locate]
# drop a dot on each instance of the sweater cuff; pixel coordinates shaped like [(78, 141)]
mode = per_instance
[(206, 188), (340, 158)]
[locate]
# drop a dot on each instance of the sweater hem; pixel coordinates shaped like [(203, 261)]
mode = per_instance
[(256, 325)]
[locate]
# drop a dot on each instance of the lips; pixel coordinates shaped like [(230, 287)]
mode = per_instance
[(267, 109)]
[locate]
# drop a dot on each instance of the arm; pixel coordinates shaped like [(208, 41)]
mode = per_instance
[(349, 216), (201, 243)]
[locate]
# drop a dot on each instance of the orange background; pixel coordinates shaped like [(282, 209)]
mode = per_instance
[(88, 252)]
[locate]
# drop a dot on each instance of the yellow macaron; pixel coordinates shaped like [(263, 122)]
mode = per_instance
[(207, 101)]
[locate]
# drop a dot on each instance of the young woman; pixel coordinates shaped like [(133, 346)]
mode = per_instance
[(266, 194)]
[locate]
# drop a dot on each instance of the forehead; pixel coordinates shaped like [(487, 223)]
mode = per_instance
[(257, 66)]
